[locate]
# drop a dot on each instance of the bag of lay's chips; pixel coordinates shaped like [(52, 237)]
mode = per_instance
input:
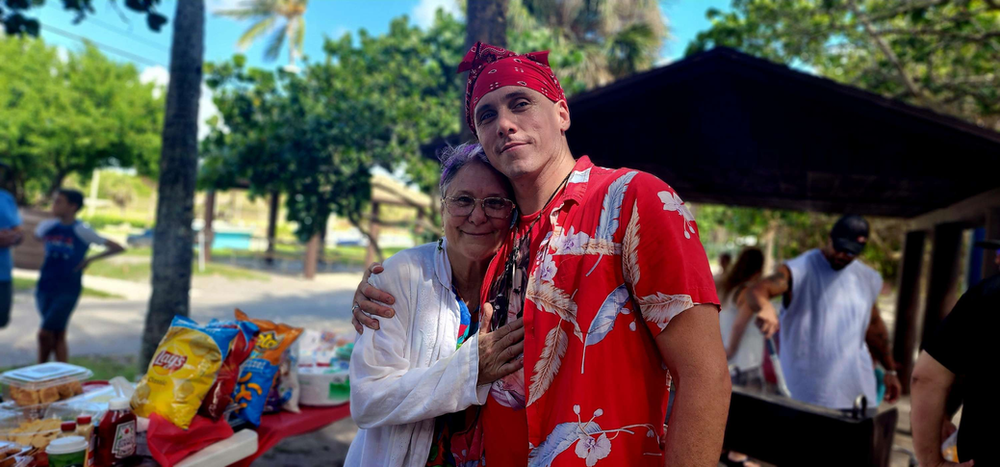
[(258, 373), (182, 370), (221, 394)]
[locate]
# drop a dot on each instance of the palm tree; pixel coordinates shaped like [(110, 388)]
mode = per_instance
[(616, 37), (173, 236), (266, 15)]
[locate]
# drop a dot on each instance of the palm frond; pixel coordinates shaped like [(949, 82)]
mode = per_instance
[(275, 43), (255, 31), (300, 36)]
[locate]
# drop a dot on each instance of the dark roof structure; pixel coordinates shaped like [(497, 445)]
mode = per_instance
[(728, 128), (725, 127)]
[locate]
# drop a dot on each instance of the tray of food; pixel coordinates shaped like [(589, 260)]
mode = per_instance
[(44, 384)]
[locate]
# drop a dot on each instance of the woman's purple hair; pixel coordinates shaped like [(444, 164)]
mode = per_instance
[(454, 158)]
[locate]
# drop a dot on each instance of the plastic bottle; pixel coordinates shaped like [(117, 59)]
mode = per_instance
[(68, 429), (85, 430), (115, 434)]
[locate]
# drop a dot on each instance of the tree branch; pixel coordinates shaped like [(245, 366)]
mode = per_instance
[(371, 238), (889, 54), (979, 38)]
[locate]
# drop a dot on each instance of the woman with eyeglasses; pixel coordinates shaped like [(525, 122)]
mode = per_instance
[(413, 378)]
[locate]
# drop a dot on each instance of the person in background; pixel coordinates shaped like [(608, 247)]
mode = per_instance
[(61, 279), (744, 342), (725, 260), (830, 323), (10, 236), (962, 348)]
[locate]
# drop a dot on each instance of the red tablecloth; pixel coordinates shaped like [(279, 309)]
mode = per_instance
[(278, 426)]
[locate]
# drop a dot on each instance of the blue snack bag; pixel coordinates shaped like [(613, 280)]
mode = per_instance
[(258, 373)]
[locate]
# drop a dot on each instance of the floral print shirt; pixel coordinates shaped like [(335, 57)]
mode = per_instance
[(612, 260)]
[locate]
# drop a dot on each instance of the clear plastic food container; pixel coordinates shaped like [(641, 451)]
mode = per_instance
[(15, 455), (44, 384)]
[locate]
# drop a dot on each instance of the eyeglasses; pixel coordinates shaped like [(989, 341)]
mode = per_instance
[(494, 206)]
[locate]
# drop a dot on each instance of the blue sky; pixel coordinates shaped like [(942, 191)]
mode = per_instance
[(324, 18)]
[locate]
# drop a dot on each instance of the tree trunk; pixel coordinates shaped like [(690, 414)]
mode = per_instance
[(312, 253), (769, 240), (209, 219), (372, 234), (272, 226), (486, 21), (56, 183), (173, 237), (320, 254)]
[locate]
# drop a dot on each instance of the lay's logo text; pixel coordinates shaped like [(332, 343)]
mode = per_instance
[(170, 362)]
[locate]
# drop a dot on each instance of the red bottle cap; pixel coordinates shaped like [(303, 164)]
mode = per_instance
[(68, 426), (84, 420)]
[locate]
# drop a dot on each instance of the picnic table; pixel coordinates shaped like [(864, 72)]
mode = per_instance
[(272, 430)]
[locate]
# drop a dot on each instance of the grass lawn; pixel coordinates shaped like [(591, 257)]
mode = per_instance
[(22, 284), (347, 255), (104, 367), (142, 270)]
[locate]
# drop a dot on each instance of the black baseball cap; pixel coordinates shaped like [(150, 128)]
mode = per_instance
[(850, 234), (988, 244)]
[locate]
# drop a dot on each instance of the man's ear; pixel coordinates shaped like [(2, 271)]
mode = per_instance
[(562, 112)]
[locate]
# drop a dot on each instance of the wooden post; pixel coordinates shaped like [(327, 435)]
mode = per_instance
[(272, 227), (908, 306), (207, 229), (373, 229), (312, 255), (941, 290), (418, 230), (992, 233)]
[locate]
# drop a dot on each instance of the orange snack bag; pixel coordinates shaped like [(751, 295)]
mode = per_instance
[(258, 372)]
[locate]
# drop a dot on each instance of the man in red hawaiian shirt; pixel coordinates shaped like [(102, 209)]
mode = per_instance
[(607, 271)]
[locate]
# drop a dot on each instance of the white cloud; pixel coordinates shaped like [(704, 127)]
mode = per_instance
[(214, 5), (206, 108), (423, 13)]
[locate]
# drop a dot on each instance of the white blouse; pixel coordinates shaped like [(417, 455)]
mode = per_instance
[(408, 372)]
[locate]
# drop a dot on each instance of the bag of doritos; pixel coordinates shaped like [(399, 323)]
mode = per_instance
[(182, 370), (258, 373), (221, 394)]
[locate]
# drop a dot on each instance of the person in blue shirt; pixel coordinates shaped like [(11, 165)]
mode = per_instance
[(10, 236), (61, 280)]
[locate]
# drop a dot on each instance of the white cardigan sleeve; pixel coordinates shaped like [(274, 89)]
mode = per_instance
[(385, 390)]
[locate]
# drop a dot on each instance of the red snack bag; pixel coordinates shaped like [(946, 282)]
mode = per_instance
[(221, 393)]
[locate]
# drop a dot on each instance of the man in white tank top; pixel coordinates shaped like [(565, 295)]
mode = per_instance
[(830, 324)]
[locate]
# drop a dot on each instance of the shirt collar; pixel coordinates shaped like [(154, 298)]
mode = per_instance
[(576, 187)]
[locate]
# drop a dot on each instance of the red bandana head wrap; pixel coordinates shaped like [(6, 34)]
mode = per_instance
[(499, 67)]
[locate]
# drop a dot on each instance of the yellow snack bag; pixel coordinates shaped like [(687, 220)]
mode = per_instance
[(182, 371)]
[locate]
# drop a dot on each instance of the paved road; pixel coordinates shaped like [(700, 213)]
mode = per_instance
[(114, 326)]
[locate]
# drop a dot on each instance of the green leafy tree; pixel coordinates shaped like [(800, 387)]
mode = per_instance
[(938, 54), (316, 136), (593, 42), (73, 116), (266, 15)]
